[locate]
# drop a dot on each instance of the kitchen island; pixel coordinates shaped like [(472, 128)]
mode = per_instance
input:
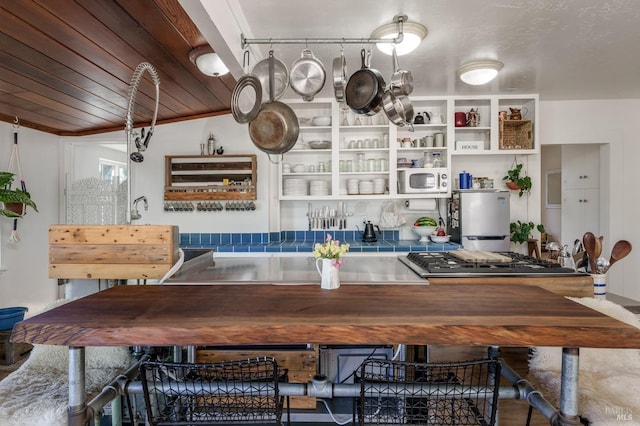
[(455, 314), (207, 269)]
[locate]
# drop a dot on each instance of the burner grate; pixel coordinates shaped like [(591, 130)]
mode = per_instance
[(442, 263)]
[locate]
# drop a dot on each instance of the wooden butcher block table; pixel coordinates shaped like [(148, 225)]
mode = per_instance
[(505, 315), (456, 314)]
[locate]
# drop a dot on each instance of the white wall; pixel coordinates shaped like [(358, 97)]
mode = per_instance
[(612, 122), (24, 280), (184, 138)]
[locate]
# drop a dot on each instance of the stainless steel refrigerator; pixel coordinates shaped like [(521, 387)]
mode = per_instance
[(479, 219)]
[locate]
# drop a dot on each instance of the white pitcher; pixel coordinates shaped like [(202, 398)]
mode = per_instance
[(330, 274)]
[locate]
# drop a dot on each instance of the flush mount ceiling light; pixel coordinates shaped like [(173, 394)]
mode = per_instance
[(207, 61), (479, 72), (412, 34)]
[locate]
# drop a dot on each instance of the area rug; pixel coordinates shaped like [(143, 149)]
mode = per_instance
[(609, 379), (36, 394)]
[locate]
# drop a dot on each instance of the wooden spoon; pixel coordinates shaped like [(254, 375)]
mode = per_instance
[(598, 251), (620, 250), (589, 243)]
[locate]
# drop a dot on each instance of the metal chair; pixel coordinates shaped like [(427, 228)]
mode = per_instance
[(217, 393), (456, 393)]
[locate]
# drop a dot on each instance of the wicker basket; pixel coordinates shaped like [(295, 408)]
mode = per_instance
[(516, 134)]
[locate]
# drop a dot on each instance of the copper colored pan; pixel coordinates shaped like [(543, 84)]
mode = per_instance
[(275, 129)]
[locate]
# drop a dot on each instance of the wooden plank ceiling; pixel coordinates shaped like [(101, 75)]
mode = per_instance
[(65, 65)]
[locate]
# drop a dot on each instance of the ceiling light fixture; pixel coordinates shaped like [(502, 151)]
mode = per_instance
[(208, 62), (479, 72), (412, 34)]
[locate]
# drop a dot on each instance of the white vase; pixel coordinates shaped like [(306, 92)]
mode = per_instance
[(329, 273), (599, 286)]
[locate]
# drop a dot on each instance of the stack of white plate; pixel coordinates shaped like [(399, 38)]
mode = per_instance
[(378, 186), (366, 187), (352, 186), (318, 187), (295, 186)]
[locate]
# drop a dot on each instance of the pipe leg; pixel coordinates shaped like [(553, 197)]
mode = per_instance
[(568, 415), (77, 410)]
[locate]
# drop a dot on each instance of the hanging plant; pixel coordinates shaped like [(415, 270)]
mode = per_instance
[(517, 181), (13, 200)]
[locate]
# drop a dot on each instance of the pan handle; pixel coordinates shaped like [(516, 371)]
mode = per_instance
[(363, 56), (396, 66), (276, 162), (245, 61), (271, 75)]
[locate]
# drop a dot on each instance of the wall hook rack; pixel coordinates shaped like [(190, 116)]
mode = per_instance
[(398, 19)]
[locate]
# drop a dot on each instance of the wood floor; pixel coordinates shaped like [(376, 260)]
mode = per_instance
[(511, 412)]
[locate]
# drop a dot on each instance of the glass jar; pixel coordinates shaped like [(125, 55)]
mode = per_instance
[(437, 160), (427, 160), (361, 165)]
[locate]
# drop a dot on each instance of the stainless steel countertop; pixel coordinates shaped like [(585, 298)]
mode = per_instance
[(205, 269)]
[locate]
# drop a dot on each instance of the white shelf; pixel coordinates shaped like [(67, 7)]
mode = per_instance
[(487, 106)]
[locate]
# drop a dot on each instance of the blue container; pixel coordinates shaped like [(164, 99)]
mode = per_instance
[(10, 316), (466, 180)]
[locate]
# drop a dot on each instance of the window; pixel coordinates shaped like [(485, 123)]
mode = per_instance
[(112, 172)]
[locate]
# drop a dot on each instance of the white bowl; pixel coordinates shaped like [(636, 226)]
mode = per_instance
[(440, 239), (424, 232), (321, 120)]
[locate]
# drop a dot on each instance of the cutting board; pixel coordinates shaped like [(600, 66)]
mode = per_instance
[(479, 256)]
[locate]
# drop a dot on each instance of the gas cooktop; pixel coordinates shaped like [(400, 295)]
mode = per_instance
[(443, 264)]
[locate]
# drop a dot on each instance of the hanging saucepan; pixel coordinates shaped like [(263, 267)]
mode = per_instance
[(240, 95), (365, 89), (401, 80), (280, 77), (275, 130), (398, 109), (339, 77), (307, 75)]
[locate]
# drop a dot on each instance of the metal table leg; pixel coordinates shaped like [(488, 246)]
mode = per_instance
[(568, 415), (77, 410)]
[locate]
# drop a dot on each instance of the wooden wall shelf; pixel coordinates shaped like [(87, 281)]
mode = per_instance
[(212, 177)]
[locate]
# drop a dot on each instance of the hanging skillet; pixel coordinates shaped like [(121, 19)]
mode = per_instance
[(401, 80), (307, 75), (280, 77), (275, 130), (365, 89), (395, 102), (246, 82), (398, 109), (339, 77)]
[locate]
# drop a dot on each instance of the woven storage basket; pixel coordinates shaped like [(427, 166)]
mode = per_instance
[(516, 134)]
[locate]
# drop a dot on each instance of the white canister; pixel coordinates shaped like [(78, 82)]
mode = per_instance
[(429, 140), (438, 140)]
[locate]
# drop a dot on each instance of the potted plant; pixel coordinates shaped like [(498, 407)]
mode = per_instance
[(517, 182), (520, 232), (13, 200)]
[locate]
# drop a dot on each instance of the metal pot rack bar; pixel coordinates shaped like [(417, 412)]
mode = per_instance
[(398, 19)]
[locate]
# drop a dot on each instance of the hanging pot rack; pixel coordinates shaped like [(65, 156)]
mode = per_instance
[(398, 19)]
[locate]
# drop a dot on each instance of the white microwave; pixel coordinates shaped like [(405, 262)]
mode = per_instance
[(423, 180)]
